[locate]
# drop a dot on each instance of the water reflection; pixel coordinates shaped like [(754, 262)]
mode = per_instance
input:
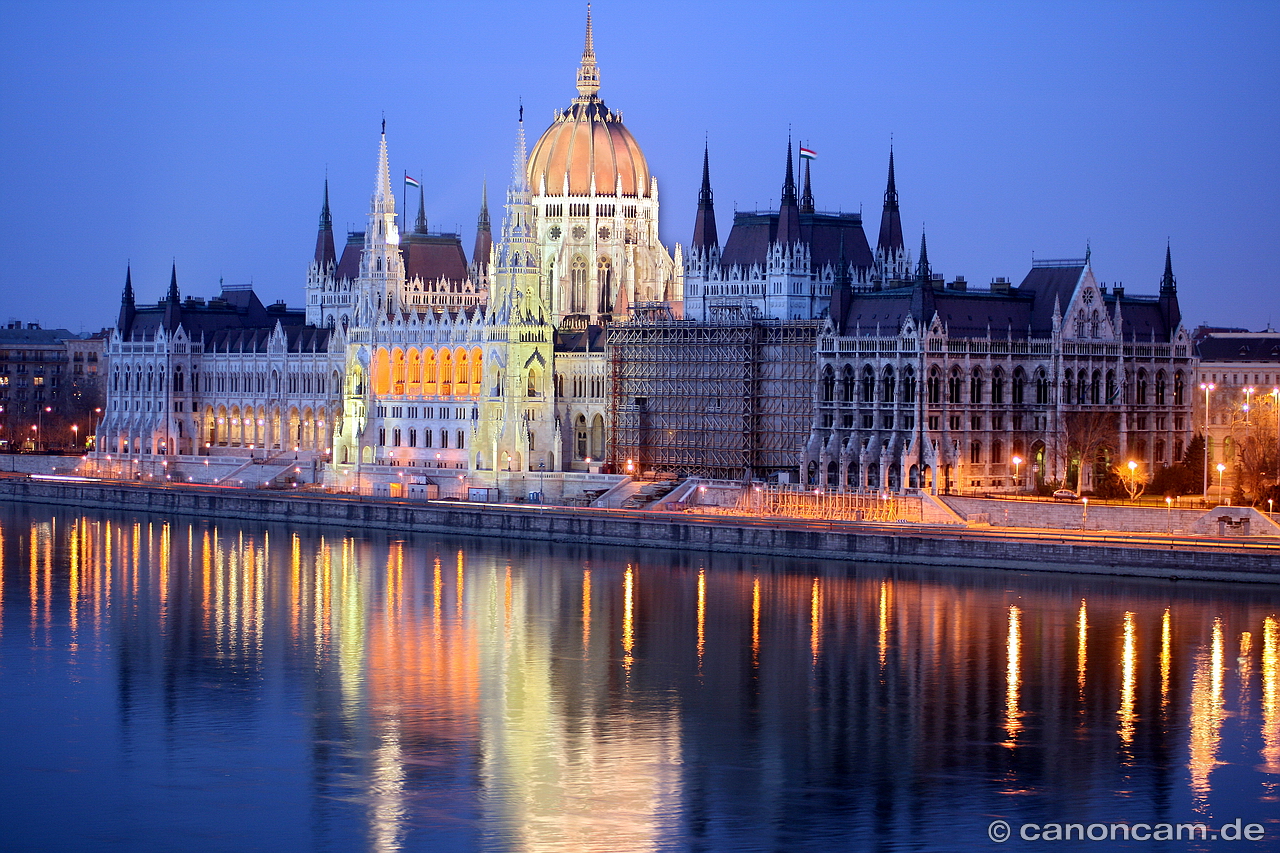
[(393, 693)]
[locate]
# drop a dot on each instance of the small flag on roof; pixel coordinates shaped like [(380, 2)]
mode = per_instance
[(411, 182), (808, 153)]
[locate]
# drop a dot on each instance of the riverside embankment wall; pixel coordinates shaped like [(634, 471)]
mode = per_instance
[(1181, 557)]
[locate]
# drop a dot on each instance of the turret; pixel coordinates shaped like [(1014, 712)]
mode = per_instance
[(325, 256), (890, 243), (1169, 295), (789, 211), (173, 303), (128, 307), (806, 198), (484, 234), (704, 225)]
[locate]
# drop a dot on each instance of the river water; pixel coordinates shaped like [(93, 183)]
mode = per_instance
[(169, 684)]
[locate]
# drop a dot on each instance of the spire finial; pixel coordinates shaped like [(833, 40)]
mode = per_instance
[(173, 284), (588, 71), (326, 220), (1168, 284), (128, 285), (420, 226), (923, 272)]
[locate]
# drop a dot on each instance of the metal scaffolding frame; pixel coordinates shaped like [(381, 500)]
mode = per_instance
[(727, 401)]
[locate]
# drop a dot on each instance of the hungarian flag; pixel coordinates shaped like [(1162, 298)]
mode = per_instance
[(808, 153), (411, 182)]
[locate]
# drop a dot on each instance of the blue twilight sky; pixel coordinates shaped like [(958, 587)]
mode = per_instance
[(202, 132)]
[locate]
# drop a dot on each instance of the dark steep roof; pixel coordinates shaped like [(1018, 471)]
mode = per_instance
[(349, 263), (754, 233), (431, 257), (1049, 285)]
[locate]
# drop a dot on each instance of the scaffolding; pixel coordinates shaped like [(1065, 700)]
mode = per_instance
[(729, 401)]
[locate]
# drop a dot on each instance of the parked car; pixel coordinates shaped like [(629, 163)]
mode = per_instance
[(1065, 495)]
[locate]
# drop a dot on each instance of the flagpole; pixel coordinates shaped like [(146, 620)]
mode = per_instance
[(404, 195)]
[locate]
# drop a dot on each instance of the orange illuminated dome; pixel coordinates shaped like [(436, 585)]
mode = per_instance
[(588, 143)]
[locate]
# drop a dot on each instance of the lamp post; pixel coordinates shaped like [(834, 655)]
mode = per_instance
[(1084, 517), (1248, 400), (75, 436), (1133, 477), (1221, 469), (1017, 465), (1168, 503), (1206, 387), (40, 427)]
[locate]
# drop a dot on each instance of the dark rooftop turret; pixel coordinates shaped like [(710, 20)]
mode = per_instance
[(704, 225)]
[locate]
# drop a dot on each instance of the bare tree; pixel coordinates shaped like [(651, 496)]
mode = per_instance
[(1089, 433), (1133, 478)]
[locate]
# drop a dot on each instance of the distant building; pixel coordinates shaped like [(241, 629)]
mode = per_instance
[(1241, 418), (50, 387)]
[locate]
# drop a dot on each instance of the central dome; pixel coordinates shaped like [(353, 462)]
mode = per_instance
[(588, 142)]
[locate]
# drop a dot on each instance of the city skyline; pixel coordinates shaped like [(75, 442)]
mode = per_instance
[(203, 137)]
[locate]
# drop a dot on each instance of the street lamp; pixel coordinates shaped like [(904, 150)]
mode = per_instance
[(1168, 503), (1017, 464), (1248, 399), (1084, 517), (1206, 387), (1221, 468), (75, 436)]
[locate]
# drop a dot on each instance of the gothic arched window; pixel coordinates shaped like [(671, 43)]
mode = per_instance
[(578, 285)]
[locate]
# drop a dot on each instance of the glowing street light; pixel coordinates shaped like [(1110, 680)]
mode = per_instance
[(1206, 387), (1168, 504), (1248, 400), (1221, 469), (75, 435), (1017, 465)]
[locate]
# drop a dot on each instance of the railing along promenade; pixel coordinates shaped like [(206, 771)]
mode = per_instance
[(1179, 556)]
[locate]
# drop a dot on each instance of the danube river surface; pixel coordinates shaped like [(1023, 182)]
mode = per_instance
[(169, 684)]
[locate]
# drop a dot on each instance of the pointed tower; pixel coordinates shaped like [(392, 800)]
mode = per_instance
[(705, 239), (420, 224), (924, 274), (806, 198), (173, 302), (381, 279), (890, 248), (325, 256), (517, 425), (128, 308), (789, 212), (484, 238), (324, 262), (1169, 295)]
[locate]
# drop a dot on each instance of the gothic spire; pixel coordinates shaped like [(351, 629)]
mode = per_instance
[(325, 254), (420, 226), (704, 226), (841, 292), (588, 71), (806, 198), (789, 183), (890, 242), (484, 232), (127, 309), (1169, 296), (789, 212), (173, 306), (923, 272)]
